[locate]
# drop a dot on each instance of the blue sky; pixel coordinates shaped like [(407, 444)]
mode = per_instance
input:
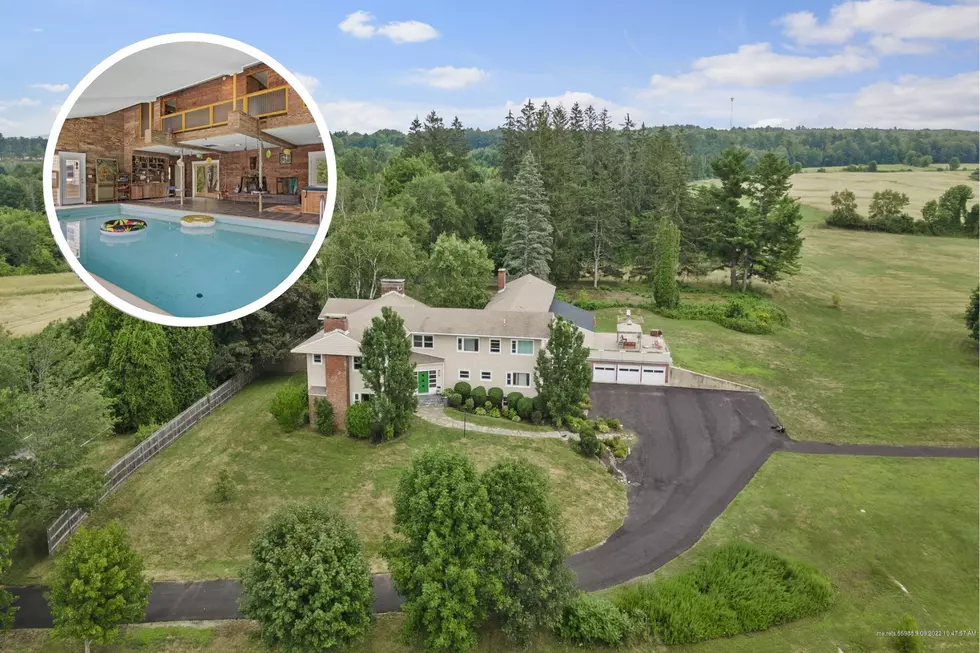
[(882, 63)]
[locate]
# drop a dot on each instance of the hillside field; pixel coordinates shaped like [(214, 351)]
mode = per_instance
[(28, 303)]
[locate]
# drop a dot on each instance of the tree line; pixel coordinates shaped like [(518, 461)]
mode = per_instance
[(946, 216), (22, 147)]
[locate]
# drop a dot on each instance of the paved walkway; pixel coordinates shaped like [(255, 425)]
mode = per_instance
[(696, 450), (437, 415)]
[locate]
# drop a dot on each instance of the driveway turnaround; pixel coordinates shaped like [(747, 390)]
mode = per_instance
[(697, 449)]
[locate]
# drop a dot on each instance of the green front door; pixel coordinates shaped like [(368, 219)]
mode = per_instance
[(423, 382)]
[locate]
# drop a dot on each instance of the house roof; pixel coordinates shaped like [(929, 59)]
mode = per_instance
[(528, 293), (578, 316), (425, 359), (334, 342)]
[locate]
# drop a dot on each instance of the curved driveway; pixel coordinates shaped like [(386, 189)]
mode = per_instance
[(697, 449)]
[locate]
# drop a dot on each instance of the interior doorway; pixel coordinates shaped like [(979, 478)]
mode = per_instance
[(204, 179)]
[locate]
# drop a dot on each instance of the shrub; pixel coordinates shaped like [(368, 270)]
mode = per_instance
[(455, 400), (494, 412), (468, 405), (145, 431), (513, 398), (479, 395), (487, 406), (462, 388), (359, 420), (540, 404), (515, 418), (835, 300), (308, 584), (525, 407), (325, 424), (505, 412), (907, 640), (736, 589), (289, 406), (223, 487), (617, 446), (593, 621), (601, 426), (588, 444), (576, 424), (496, 395), (614, 424), (821, 170), (480, 411), (537, 417)]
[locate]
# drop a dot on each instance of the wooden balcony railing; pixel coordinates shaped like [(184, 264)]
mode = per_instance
[(260, 104)]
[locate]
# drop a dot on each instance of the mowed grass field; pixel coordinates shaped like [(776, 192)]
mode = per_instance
[(921, 185), (896, 536), (184, 535), (894, 364), (29, 303)]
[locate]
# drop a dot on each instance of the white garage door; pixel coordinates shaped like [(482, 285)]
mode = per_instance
[(654, 376), (628, 374), (604, 373)]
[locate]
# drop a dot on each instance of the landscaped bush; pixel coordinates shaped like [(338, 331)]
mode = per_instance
[(359, 420), (455, 400), (540, 405), (468, 405), (537, 417), (736, 589), (289, 406), (618, 446), (525, 407), (145, 431), (325, 424), (462, 388), (600, 425), (496, 395), (907, 640), (513, 398), (479, 395), (588, 444), (515, 417), (480, 410), (593, 621)]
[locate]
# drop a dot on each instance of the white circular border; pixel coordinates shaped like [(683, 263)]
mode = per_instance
[(170, 320)]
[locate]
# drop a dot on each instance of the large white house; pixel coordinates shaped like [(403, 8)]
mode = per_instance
[(493, 346)]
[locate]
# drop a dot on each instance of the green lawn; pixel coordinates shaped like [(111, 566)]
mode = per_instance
[(498, 422), (893, 365), (919, 528), (28, 303), (182, 534)]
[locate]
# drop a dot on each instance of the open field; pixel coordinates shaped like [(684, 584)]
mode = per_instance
[(29, 303), (921, 185), (894, 364), (184, 535), (918, 528)]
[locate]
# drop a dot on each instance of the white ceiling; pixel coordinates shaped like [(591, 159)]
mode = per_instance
[(150, 73), (307, 134)]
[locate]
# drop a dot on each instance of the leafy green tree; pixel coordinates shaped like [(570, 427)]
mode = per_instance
[(457, 273), (536, 585), (562, 374), (972, 316), (953, 205), (8, 540), (308, 583), (526, 239), (440, 551), (954, 163), (289, 406), (190, 354), (908, 640), (98, 584), (667, 252), (887, 204), (388, 371), (971, 224), (362, 250), (404, 169), (139, 377), (872, 166), (430, 199), (844, 210)]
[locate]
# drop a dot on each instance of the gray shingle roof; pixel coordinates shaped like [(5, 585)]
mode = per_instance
[(528, 293), (578, 316)]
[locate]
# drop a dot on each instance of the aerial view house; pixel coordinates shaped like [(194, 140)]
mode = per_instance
[(184, 124), (494, 346)]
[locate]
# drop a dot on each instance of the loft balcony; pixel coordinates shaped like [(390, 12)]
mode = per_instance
[(260, 104)]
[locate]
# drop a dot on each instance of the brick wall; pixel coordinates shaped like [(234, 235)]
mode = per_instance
[(338, 386), (234, 164)]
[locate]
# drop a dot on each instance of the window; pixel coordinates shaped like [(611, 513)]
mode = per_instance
[(486, 376), (471, 345), (519, 379), (169, 106), (522, 347), (432, 379), (495, 345), (357, 362), (318, 359), (423, 341), (464, 375), (363, 396)]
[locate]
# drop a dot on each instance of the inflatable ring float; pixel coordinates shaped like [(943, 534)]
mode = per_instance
[(123, 226), (197, 221)]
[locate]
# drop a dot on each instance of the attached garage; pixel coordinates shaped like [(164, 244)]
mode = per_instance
[(629, 374), (656, 375), (603, 373)]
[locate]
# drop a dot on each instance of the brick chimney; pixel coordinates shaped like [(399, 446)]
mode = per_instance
[(397, 285), (334, 322), (501, 279)]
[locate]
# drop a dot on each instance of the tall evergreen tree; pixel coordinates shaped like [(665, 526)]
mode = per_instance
[(414, 143), (527, 240), (667, 251), (511, 151), (190, 354), (458, 148), (139, 376), (388, 371)]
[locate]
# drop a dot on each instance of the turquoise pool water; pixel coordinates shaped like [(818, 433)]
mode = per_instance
[(183, 272)]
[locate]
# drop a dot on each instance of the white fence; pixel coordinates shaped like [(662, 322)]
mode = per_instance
[(162, 438)]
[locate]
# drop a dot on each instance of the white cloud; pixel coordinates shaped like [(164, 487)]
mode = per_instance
[(771, 122), (757, 65), (447, 77), (36, 29), (20, 102), (54, 88), (360, 25), (903, 19), (54, 108), (890, 45), (309, 81), (922, 102)]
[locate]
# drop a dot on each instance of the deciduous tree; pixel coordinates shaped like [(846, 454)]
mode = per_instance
[(457, 273), (972, 316), (8, 539), (562, 373)]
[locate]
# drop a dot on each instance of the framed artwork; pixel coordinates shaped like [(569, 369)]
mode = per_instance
[(286, 156)]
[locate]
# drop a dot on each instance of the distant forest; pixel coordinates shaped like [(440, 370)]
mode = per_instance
[(808, 147), (22, 147)]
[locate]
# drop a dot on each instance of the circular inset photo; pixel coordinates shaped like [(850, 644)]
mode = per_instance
[(189, 179)]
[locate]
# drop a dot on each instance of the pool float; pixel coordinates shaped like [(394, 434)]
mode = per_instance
[(197, 224), (123, 226)]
